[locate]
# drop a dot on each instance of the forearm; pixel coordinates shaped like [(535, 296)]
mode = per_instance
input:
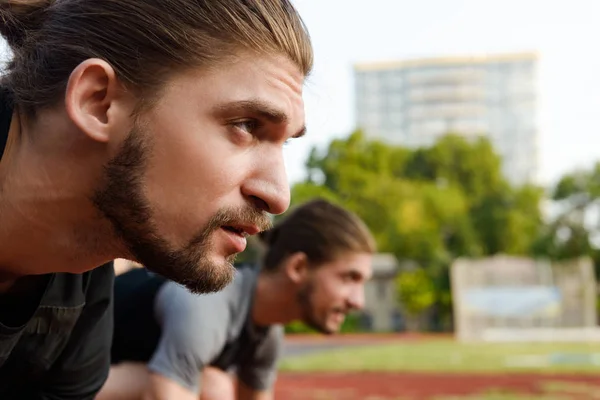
[(257, 396), (181, 394), (246, 393), (161, 388)]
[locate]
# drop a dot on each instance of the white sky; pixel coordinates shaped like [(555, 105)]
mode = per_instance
[(565, 34)]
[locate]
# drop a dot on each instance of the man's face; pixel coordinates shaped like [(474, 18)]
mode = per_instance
[(333, 290), (202, 169)]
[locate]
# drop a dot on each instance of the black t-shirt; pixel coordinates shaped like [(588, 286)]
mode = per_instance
[(55, 329)]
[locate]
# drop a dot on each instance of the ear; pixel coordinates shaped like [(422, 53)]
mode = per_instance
[(296, 267), (92, 100)]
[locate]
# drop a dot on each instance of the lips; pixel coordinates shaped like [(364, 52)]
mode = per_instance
[(233, 229), (242, 229), (234, 237)]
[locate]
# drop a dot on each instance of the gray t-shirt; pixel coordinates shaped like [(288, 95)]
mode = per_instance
[(214, 329)]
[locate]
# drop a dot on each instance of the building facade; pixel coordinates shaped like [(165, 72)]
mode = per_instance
[(381, 299), (411, 103)]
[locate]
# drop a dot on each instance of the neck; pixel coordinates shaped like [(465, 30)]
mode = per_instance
[(7, 281), (39, 237), (274, 300), (47, 222)]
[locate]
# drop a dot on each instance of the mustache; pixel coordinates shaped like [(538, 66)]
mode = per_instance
[(232, 216), (343, 310), (239, 216), (243, 216)]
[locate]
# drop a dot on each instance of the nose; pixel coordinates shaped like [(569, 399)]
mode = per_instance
[(268, 188), (356, 300)]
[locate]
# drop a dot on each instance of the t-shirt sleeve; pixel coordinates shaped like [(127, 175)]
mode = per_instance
[(194, 331), (259, 370), (83, 366)]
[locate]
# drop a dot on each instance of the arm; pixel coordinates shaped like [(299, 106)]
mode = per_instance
[(162, 388), (247, 393), (83, 366), (194, 332), (258, 372)]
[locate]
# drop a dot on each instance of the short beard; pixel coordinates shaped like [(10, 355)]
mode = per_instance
[(121, 201), (304, 297)]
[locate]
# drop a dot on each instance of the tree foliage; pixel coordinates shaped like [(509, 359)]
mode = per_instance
[(574, 230), (415, 290), (427, 205), (430, 204)]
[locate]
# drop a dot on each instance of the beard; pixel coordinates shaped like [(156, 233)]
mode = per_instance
[(121, 200), (308, 313)]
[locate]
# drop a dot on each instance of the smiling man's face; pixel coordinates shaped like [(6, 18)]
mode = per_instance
[(333, 290)]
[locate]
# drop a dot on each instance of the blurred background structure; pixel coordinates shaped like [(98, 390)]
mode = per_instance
[(523, 299), (414, 102)]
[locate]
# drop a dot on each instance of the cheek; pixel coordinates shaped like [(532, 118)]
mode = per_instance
[(189, 177), (330, 294)]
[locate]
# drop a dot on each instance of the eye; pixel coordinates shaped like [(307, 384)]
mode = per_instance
[(352, 277), (247, 125), (243, 131)]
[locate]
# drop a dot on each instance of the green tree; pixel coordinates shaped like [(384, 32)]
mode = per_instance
[(416, 294), (570, 233)]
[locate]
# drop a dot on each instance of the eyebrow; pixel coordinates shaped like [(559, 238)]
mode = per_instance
[(355, 272), (258, 108)]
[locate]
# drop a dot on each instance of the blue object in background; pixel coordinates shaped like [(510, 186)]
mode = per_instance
[(513, 301)]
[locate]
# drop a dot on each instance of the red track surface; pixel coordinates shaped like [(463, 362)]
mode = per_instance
[(370, 337), (414, 386), (409, 386)]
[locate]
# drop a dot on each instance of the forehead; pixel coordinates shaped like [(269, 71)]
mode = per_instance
[(361, 263), (272, 79)]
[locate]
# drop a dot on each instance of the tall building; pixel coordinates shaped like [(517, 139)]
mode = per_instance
[(413, 102)]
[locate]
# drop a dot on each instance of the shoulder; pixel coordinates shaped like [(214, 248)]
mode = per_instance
[(98, 285), (270, 342), (180, 309), (223, 311), (274, 336), (243, 284), (270, 346), (71, 290), (103, 276), (235, 291)]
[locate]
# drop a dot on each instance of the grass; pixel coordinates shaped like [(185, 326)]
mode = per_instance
[(443, 356), (499, 395), (551, 391)]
